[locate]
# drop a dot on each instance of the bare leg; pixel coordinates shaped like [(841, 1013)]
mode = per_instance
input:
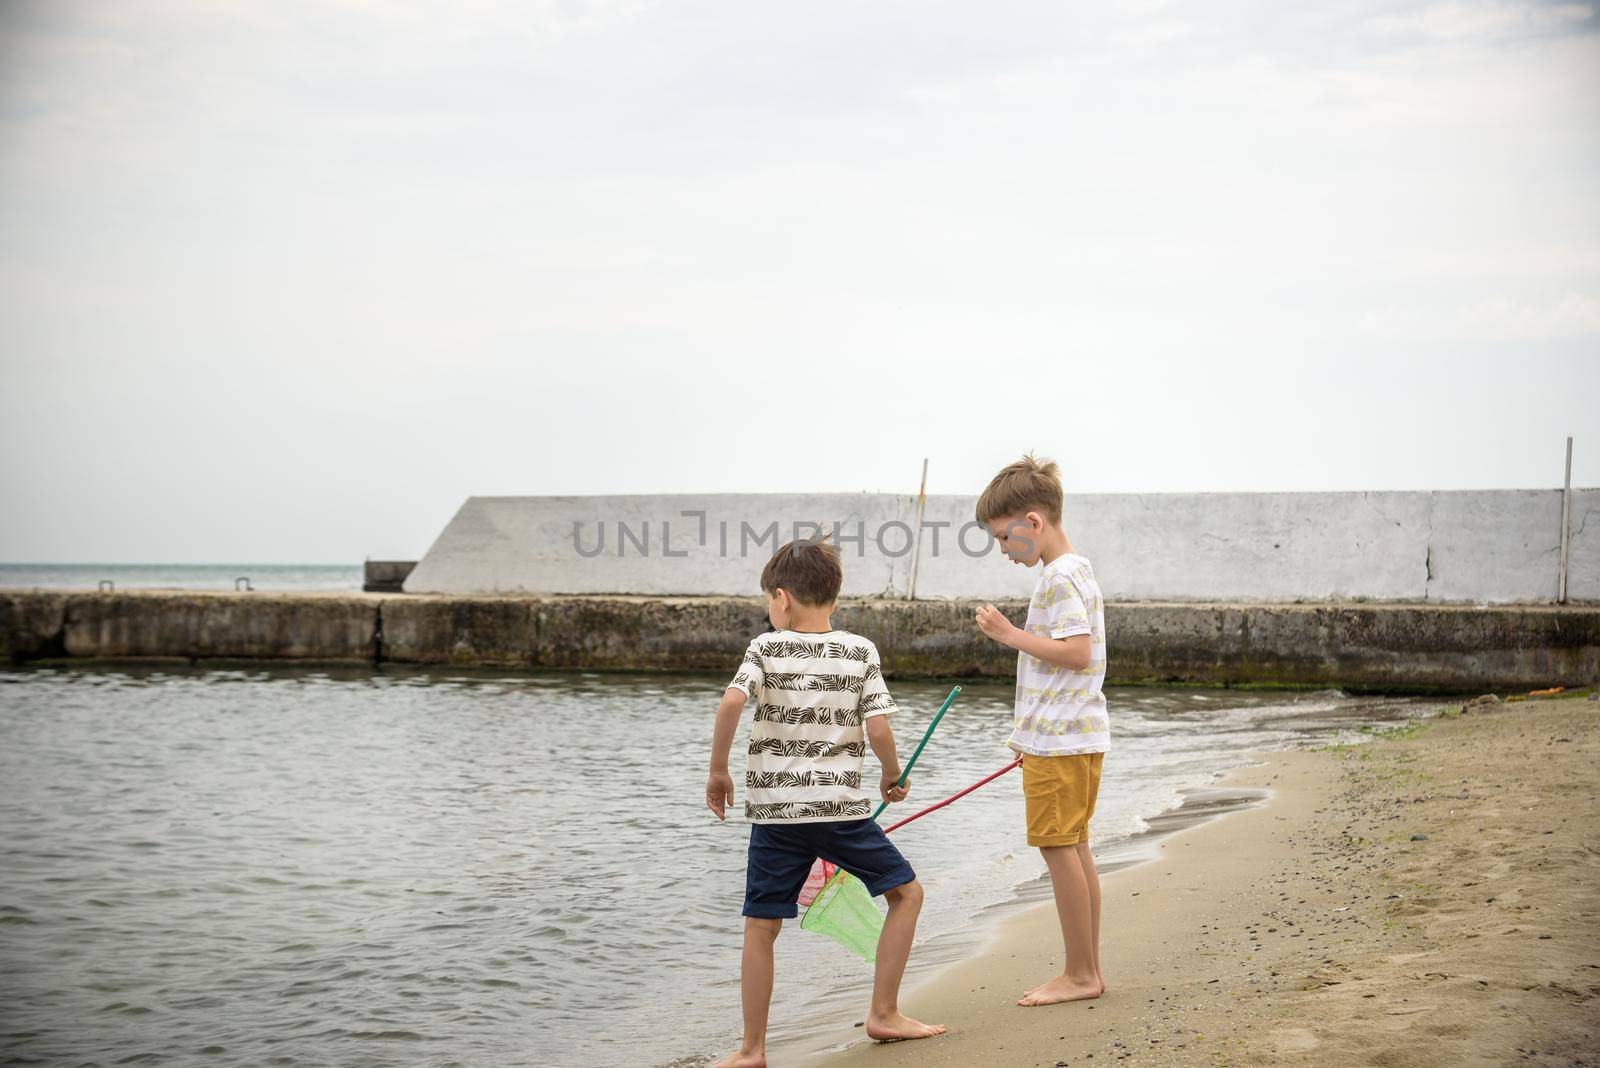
[(1092, 876), (755, 989), (885, 1021), (1078, 980)]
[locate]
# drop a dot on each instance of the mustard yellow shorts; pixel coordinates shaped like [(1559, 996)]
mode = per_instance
[(1060, 792)]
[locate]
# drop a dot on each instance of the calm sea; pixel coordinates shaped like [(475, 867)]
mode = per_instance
[(436, 868), (185, 576)]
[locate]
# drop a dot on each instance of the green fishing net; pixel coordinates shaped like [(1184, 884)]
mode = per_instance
[(845, 912)]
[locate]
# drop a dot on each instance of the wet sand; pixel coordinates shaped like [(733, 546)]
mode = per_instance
[(1428, 898)]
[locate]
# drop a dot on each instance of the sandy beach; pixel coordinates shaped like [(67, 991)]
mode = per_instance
[(1427, 898)]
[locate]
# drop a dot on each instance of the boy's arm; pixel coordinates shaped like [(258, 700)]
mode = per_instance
[(881, 737), (1072, 653), (719, 784)]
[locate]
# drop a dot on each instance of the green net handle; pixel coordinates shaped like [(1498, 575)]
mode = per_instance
[(906, 774)]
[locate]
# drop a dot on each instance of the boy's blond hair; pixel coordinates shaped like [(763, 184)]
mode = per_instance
[(1029, 485)]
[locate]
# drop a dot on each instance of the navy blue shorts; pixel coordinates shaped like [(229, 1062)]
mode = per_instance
[(781, 856)]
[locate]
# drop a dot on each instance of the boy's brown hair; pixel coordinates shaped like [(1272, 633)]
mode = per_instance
[(808, 568), (1029, 485)]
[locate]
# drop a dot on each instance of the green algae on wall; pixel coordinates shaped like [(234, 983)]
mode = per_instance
[(1367, 646)]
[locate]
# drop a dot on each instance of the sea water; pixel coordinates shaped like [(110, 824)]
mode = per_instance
[(264, 577), (396, 867)]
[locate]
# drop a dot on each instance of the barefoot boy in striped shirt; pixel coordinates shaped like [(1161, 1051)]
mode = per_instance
[(820, 701), (1060, 728)]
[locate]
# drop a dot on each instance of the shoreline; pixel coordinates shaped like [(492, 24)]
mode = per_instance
[(1002, 927), (1314, 928), (798, 1039)]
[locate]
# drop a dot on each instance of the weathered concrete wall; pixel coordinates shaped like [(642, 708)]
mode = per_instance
[(187, 625), (1363, 646), (33, 624), (385, 576), (664, 544), (1496, 546)]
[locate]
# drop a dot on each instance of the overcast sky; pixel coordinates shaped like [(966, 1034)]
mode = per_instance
[(286, 282)]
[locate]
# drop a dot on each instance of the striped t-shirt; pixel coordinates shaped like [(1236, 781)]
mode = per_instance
[(1062, 712), (813, 693)]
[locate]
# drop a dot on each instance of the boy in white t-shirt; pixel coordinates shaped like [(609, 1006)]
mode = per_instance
[(820, 703), (1061, 728)]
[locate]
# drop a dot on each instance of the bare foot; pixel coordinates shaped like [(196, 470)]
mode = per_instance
[(899, 1027), (1098, 976), (743, 1060), (1061, 989)]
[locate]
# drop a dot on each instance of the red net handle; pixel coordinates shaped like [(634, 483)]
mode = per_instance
[(954, 797)]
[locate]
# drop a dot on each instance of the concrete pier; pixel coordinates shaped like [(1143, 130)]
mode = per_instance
[(386, 576), (1353, 646), (1425, 547)]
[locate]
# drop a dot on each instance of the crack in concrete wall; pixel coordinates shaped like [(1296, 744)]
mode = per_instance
[(1427, 563)]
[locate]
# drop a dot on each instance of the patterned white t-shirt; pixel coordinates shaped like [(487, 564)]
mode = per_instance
[(813, 694), (1061, 712)]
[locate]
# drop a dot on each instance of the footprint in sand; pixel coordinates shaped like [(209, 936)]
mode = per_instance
[(1294, 1040)]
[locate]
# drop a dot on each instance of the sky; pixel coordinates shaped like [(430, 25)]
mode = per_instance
[(286, 282)]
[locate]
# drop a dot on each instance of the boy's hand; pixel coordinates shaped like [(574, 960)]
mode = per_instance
[(719, 793), (891, 792), (994, 623)]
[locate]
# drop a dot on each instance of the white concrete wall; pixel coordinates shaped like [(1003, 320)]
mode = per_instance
[(1491, 546)]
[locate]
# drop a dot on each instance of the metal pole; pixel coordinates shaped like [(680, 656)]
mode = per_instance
[(916, 552), (1566, 523)]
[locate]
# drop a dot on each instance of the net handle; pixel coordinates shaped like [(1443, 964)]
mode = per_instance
[(906, 774), (955, 796)]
